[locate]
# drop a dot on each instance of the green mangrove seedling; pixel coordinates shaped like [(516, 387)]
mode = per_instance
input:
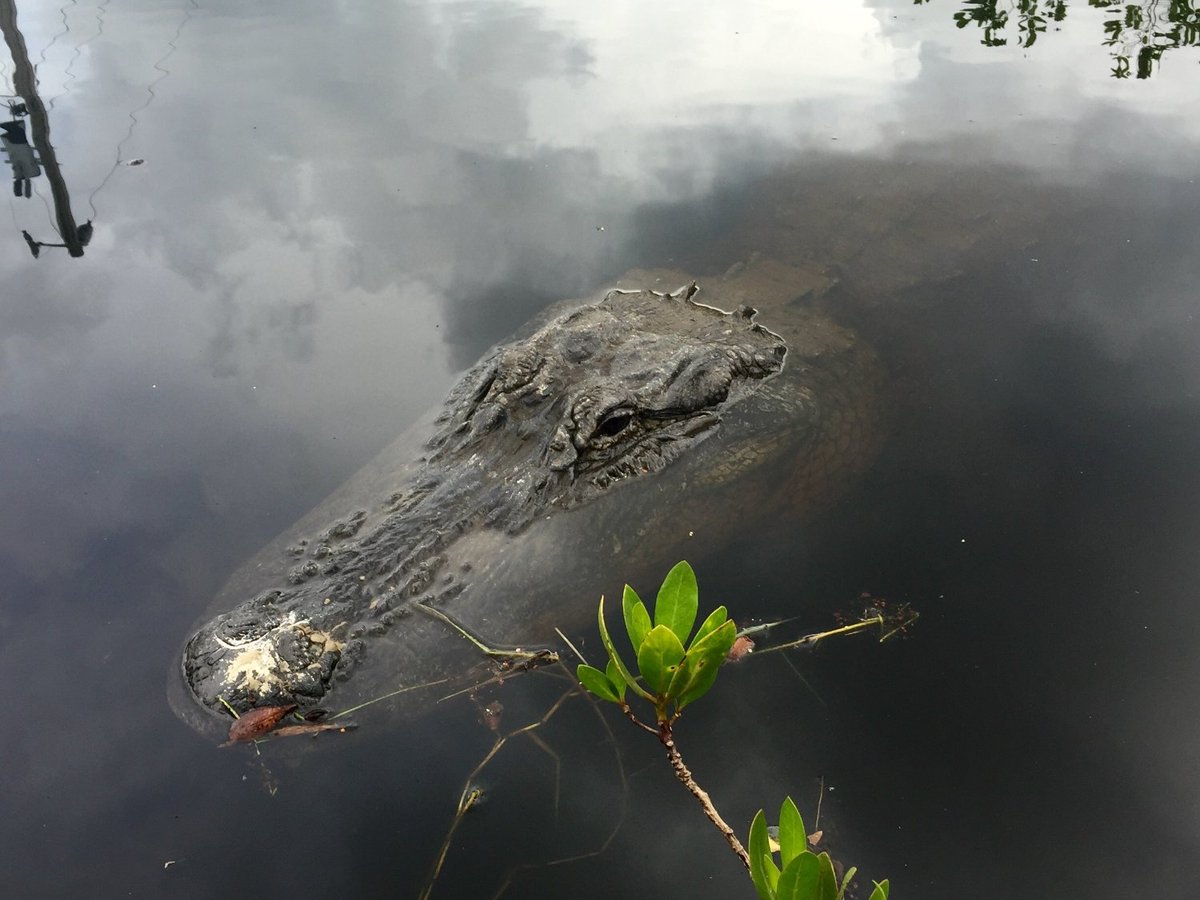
[(674, 668), (800, 874)]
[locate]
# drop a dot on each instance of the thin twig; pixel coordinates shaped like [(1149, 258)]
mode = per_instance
[(763, 627), (232, 711), (403, 690), (809, 639), (533, 663), (589, 854), (574, 649), (903, 625), (549, 751), (471, 794), (495, 652), (685, 776), (804, 681), (625, 708)]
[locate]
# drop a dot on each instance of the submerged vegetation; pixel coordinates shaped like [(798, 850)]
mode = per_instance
[(674, 668)]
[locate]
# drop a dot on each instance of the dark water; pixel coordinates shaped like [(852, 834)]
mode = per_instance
[(338, 208)]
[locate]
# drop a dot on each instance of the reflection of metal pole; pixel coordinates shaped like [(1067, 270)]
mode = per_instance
[(26, 85)]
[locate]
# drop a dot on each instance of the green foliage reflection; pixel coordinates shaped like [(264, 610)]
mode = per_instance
[(1139, 33)]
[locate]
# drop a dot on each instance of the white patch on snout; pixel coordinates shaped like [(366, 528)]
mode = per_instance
[(257, 665)]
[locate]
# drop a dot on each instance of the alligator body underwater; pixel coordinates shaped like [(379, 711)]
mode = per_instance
[(626, 433)]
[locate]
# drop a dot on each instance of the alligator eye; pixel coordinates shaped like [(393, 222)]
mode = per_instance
[(614, 425)]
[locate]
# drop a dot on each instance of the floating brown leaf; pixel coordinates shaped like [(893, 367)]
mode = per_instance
[(741, 647), (254, 723)]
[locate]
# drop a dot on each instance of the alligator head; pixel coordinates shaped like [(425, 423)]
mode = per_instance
[(607, 394)]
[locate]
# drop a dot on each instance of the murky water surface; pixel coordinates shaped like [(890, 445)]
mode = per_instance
[(303, 219)]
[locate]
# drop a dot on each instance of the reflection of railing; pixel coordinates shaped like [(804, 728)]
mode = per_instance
[(28, 161), (1141, 32), (25, 84)]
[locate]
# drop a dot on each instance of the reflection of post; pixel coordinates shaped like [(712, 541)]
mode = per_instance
[(26, 85)]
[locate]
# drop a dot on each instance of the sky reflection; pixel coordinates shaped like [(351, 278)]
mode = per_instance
[(339, 207)]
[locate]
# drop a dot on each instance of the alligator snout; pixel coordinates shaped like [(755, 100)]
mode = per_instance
[(257, 655)]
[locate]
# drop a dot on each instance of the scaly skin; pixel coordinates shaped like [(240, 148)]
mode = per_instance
[(538, 451)]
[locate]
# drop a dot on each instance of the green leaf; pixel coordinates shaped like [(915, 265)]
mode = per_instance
[(689, 674), (763, 871), (703, 662), (846, 879), (615, 659), (614, 676), (677, 601), (793, 839), (718, 640), (808, 877), (827, 888), (660, 653), (715, 620), (801, 879), (597, 682), (881, 890), (637, 620)]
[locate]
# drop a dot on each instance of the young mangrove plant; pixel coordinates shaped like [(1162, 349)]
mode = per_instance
[(674, 668), (800, 874)]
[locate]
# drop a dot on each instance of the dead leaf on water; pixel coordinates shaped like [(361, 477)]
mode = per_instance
[(742, 646), (255, 723)]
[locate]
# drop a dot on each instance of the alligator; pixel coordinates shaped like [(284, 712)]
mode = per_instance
[(601, 439)]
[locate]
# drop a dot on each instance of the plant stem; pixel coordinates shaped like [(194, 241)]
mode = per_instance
[(629, 713), (810, 639), (685, 776)]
